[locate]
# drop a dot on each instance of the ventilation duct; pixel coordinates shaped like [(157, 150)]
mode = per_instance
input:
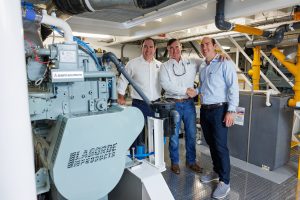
[(73, 7)]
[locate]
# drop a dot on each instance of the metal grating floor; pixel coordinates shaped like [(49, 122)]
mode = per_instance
[(244, 185)]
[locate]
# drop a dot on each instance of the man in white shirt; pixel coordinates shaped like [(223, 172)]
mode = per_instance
[(177, 77), (144, 71)]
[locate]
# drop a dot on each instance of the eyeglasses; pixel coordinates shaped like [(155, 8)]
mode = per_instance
[(183, 73)]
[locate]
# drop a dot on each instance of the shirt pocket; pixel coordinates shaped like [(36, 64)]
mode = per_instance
[(215, 76)]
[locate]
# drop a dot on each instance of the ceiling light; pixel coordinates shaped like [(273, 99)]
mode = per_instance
[(92, 35), (226, 47), (179, 14)]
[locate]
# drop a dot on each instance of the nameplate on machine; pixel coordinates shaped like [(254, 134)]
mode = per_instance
[(92, 155), (67, 76)]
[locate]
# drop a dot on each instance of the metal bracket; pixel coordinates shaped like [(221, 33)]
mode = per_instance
[(42, 181)]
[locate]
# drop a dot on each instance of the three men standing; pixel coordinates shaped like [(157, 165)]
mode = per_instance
[(219, 93)]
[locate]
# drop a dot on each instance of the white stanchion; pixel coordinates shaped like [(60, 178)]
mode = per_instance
[(17, 180)]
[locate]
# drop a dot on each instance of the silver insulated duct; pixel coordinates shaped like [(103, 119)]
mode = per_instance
[(73, 7)]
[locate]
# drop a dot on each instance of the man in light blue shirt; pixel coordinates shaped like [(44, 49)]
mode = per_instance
[(219, 92)]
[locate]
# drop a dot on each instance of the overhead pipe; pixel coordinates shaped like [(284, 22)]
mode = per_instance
[(294, 69), (73, 7), (31, 15), (276, 38), (228, 26), (253, 24), (278, 35), (254, 72), (273, 39)]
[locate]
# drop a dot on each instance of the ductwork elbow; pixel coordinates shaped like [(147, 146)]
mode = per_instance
[(222, 24), (73, 7), (220, 19)]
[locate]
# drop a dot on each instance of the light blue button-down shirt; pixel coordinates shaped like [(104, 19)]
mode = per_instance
[(219, 83)]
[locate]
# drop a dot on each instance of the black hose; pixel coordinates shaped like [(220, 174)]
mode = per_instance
[(121, 68)]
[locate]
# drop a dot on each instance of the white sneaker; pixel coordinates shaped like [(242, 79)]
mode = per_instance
[(221, 191)]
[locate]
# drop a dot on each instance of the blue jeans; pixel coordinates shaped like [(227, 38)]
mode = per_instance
[(215, 134), (140, 140), (187, 113)]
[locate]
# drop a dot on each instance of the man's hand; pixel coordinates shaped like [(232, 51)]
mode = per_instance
[(121, 99), (224, 57), (191, 92), (229, 119)]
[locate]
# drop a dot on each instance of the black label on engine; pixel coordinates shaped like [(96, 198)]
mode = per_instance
[(89, 156)]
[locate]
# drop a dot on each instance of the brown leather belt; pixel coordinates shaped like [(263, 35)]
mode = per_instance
[(213, 106), (178, 100)]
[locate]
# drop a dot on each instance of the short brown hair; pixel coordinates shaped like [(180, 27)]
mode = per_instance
[(148, 38), (171, 41)]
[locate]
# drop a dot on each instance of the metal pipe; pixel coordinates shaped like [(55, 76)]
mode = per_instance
[(17, 160), (105, 74), (44, 52), (277, 36), (121, 69), (254, 24)]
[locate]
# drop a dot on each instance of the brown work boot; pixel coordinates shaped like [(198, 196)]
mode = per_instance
[(175, 168), (194, 167)]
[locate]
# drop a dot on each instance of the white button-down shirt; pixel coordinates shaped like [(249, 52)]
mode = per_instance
[(145, 75), (176, 77)]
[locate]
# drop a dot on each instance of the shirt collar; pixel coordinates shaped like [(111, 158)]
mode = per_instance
[(143, 59), (215, 59), (182, 60)]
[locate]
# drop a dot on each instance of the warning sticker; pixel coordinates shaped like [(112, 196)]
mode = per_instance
[(67, 74)]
